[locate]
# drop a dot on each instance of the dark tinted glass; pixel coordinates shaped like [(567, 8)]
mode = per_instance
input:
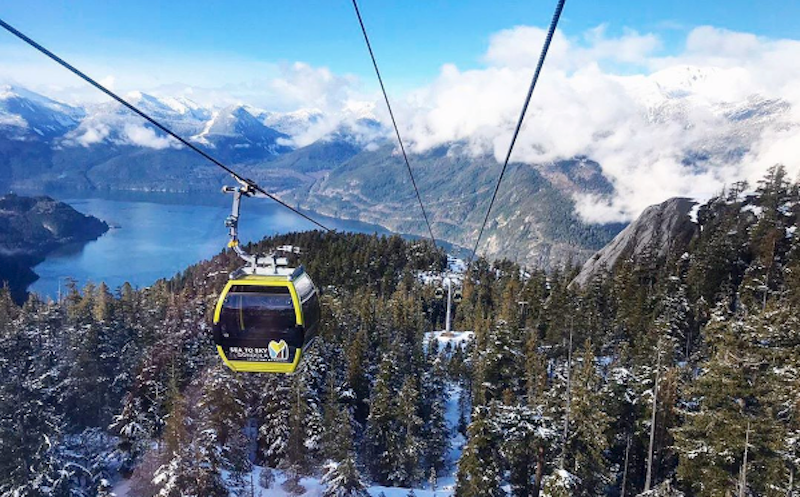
[(256, 312)]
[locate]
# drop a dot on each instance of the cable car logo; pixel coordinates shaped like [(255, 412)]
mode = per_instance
[(278, 351)]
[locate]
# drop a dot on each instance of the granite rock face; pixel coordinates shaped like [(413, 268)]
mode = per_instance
[(663, 228)]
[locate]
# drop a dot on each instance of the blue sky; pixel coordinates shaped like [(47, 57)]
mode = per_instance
[(456, 71), (412, 38)]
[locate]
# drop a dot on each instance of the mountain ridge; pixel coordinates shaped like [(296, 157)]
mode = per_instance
[(661, 229), (351, 168)]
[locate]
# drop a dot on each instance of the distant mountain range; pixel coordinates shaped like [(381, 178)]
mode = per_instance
[(349, 170)]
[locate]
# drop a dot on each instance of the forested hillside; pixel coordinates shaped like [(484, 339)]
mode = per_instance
[(32, 227), (678, 374)]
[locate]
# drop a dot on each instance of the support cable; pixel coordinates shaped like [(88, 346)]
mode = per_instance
[(394, 122), (244, 181), (539, 65)]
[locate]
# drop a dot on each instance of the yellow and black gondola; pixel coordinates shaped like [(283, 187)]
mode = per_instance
[(268, 313), (264, 322)]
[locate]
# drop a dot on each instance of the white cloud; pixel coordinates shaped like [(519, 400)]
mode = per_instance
[(615, 98), (640, 127), (88, 135), (519, 47), (146, 137), (336, 100)]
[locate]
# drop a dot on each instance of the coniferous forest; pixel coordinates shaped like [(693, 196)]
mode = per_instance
[(673, 375)]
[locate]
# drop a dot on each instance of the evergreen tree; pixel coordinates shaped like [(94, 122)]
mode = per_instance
[(222, 404), (344, 480), (479, 471), (273, 413), (435, 432), (408, 472), (586, 440), (731, 414), (104, 489), (296, 451), (337, 434), (560, 484), (528, 438), (382, 438)]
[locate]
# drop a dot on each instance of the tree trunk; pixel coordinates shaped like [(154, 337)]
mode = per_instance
[(537, 482), (743, 479), (625, 470), (569, 398), (649, 478)]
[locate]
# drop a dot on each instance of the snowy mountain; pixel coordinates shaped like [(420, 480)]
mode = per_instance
[(291, 123), (238, 136), (661, 229), (709, 99), (345, 164), (27, 115), (111, 123)]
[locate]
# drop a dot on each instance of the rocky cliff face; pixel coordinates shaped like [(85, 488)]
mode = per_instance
[(30, 228), (662, 228)]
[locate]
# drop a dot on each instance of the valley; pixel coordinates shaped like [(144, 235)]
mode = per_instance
[(686, 308), (347, 166)]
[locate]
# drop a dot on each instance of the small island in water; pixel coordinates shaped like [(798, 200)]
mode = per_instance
[(31, 228)]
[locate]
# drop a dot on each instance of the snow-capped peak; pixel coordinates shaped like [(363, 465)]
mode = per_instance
[(178, 105), (360, 110), (684, 79), (8, 92), (231, 121), (292, 123)]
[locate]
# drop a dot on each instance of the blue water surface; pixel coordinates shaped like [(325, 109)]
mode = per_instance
[(156, 235)]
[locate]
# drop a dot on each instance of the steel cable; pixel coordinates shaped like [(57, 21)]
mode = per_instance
[(11, 29)]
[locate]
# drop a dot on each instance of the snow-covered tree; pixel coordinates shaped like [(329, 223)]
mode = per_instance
[(273, 412), (586, 437), (731, 436), (343, 480), (382, 438), (527, 438), (560, 483), (479, 468)]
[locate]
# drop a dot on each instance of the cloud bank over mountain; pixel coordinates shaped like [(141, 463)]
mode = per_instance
[(723, 108), (683, 125)]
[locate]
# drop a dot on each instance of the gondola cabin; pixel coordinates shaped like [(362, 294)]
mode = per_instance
[(265, 319)]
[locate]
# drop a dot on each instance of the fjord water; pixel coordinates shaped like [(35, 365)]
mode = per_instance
[(156, 235)]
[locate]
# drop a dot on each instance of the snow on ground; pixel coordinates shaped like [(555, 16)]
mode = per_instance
[(122, 488), (693, 212), (454, 338), (457, 440), (403, 492), (754, 209), (312, 485), (314, 488), (455, 271), (456, 265), (446, 483)]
